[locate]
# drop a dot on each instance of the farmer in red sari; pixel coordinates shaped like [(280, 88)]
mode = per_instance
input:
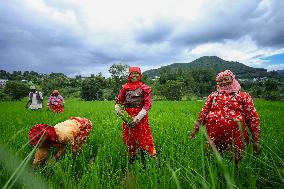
[(74, 131), (136, 98), (227, 114), (56, 102)]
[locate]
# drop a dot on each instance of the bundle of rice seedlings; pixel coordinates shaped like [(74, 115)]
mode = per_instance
[(126, 117)]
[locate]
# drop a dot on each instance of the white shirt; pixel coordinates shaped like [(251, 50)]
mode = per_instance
[(35, 104)]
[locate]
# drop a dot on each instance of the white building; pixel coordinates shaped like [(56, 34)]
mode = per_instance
[(3, 82)]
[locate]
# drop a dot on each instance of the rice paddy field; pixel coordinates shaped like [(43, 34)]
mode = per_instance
[(103, 162)]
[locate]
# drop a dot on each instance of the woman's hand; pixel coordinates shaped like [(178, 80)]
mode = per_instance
[(256, 148), (192, 134), (139, 116), (117, 110)]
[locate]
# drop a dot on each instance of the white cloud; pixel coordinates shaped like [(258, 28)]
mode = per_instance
[(42, 9), (243, 50), (89, 35), (275, 67)]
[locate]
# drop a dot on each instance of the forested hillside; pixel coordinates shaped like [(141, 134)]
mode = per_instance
[(217, 64)]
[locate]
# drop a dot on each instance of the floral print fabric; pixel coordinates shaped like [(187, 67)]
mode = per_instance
[(139, 135), (55, 103), (74, 130), (227, 117)]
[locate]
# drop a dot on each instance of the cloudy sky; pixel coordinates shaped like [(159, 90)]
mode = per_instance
[(88, 36)]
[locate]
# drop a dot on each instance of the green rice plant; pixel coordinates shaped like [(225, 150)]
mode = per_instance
[(126, 117), (20, 172), (103, 161)]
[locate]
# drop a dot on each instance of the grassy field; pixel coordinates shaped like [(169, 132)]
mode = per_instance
[(103, 162)]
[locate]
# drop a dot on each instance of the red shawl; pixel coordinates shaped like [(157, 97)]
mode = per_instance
[(130, 85)]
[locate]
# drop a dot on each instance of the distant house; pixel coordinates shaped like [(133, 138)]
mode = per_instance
[(3, 82), (155, 78)]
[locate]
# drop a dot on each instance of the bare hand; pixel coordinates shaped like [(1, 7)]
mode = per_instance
[(256, 148), (192, 134), (135, 120)]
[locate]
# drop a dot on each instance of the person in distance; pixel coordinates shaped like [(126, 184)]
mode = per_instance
[(56, 102), (35, 99)]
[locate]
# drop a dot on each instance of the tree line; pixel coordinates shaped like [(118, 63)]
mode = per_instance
[(173, 84)]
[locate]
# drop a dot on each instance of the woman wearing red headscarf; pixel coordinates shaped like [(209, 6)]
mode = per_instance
[(73, 131), (56, 102), (227, 113), (136, 98)]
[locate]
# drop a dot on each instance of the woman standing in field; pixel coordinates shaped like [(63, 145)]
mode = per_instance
[(135, 96), (74, 131), (35, 99), (56, 102), (226, 114)]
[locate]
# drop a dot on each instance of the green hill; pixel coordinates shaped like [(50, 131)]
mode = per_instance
[(281, 72), (213, 62)]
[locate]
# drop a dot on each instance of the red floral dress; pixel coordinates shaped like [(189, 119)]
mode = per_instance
[(140, 135), (226, 117), (56, 103), (74, 131)]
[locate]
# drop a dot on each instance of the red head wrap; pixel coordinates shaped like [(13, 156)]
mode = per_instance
[(130, 85)]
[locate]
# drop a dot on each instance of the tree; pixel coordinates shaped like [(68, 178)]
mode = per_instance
[(167, 74), (16, 90), (4, 74), (49, 85), (54, 81), (205, 81), (271, 85), (75, 82), (271, 90), (16, 75), (78, 77), (119, 73), (171, 90), (256, 91), (92, 88), (4, 96)]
